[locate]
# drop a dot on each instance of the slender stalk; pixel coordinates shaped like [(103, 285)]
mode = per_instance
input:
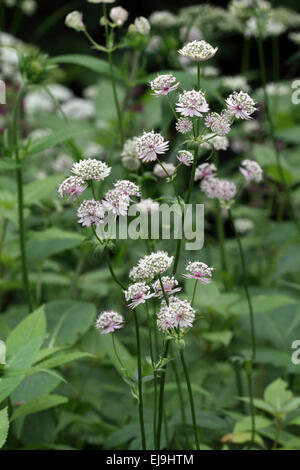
[(117, 355), (140, 383), (245, 55), (252, 409), (154, 378), (194, 292), (181, 403), (172, 107), (161, 393), (19, 175), (190, 392), (111, 270)]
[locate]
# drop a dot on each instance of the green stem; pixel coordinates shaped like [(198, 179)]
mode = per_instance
[(19, 175), (190, 392), (252, 409), (181, 402), (123, 368), (161, 393), (140, 383), (172, 107), (154, 377), (111, 270), (194, 292)]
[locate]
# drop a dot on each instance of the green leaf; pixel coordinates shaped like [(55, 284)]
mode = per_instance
[(39, 190), (246, 424), (34, 386), (241, 438), (223, 337), (274, 172), (7, 164), (38, 404), (63, 358), (2, 353), (260, 404), (33, 326), (4, 425), (264, 155), (277, 395), (92, 63)]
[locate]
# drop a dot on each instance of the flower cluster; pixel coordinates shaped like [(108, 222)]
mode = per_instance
[(119, 15), (72, 187), (149, 145), (179, 313), (164, 84), (219, 142), (151, 266), (90, 212), (221, 189), (199, 271), (109, 321), (251, 170), (130, 158), (198, 50), (185, 157), (166, 171), (192, 103), (91, 169), (146, 206), (170, 285), (205, 170), (184, 125), (138, 293), (219, 123), (240, 105)]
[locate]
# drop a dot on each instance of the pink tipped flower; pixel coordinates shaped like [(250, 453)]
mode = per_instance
[(165, 172), (251, 170), (72, 187), (90, 212), (149, 145), (185, 157), (199, 271), (192, 103), (219, 123), (116, 202), (119, 15), (170, 286), (150, 266), (241, 105), (164, 84), (198, 50), (138, 293), (179, 313), (221, 189), (74, 20), (184, 125), (109, 321), (127, 188), (205, 170), (218, 142)]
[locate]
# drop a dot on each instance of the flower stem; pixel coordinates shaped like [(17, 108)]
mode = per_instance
[(140, 383), (172, 107), (19, 175), (154, 378), (111, 270), (194, 292), (117, 355), (161, 393), (190, 392)]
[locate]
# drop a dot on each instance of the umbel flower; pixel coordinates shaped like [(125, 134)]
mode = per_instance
[(116, 202), (185, 157), (179, 313), (90, 212), (205, 170), (138, 293), (119, 15), (241, 105), (129, 154), (74, 20), (91, 169), (164, 84), (219, 142), (127, 188), (184, 125), (149, 145), (221, 189), (109, 321), (142, 25), (219, 123), (251, 170), (198, 50), (72, 187), (192, 103), (168, 170), (150, 266), (199, 271), (169, 284)]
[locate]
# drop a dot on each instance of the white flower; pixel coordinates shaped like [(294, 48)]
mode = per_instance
[(251, 170), (150, 266), (163, 19), (221, 189), (74, 20), (184, 125), (185, 157), (198, 50), (241, 105), (130, 158), (218, 142), (295, 37), (192, 103), (154, 44), (163, 84), (179, 313), (142, 25), (219, 123), (147, 206), (169, 284), (28, 7), (78, 108), (37, 101), (91, 169), (168, 170), (138, 293), (119, 15), (243, 225), (149, 145), (116, 202), (60, 92), (72, 187), (90, 212), (109, 321), (199, 271), (236, 83), (205, 170), (127, 188)]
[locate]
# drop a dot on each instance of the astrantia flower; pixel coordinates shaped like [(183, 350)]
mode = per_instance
[(146, 206), (205, 170), (192, 103), (219, 123), (185, 157), (163, 19), (119, 15), (221, 189), (164, 84), (90, 212), (165, 172), (142, 25), (151, 265), (109, 321), (127, 188), (129, 154), (199, 271), (138, 293), (251, 170), (72, 187), (78, 108), (116, 202), (74, 20), (184, 125), (241, 105), (218, 142), (179, 313), (91, 169), (149, 145), (198, 50), (243, 225), (170, 286)]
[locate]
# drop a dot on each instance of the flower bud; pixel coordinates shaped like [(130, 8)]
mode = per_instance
[(74, 20), (119, 15)]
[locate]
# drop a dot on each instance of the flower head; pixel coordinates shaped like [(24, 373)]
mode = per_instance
[(205, 170), (127, 188), (119, 15), (184, 125), (138, 293), (90, 212), (219, 123), (116, 202), (218, 142), (251, 170), (72, 187), (149, 145), (241, 105), (146, 206), (198, 50), (221, 189), (74, 20), (164, 84), (179, 313), (91, 169), (199, 271), (150, 266), (129, 154), (109, 321), (142, 25), (169, 284), (185, 157), (192, 103), (165, 172)]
